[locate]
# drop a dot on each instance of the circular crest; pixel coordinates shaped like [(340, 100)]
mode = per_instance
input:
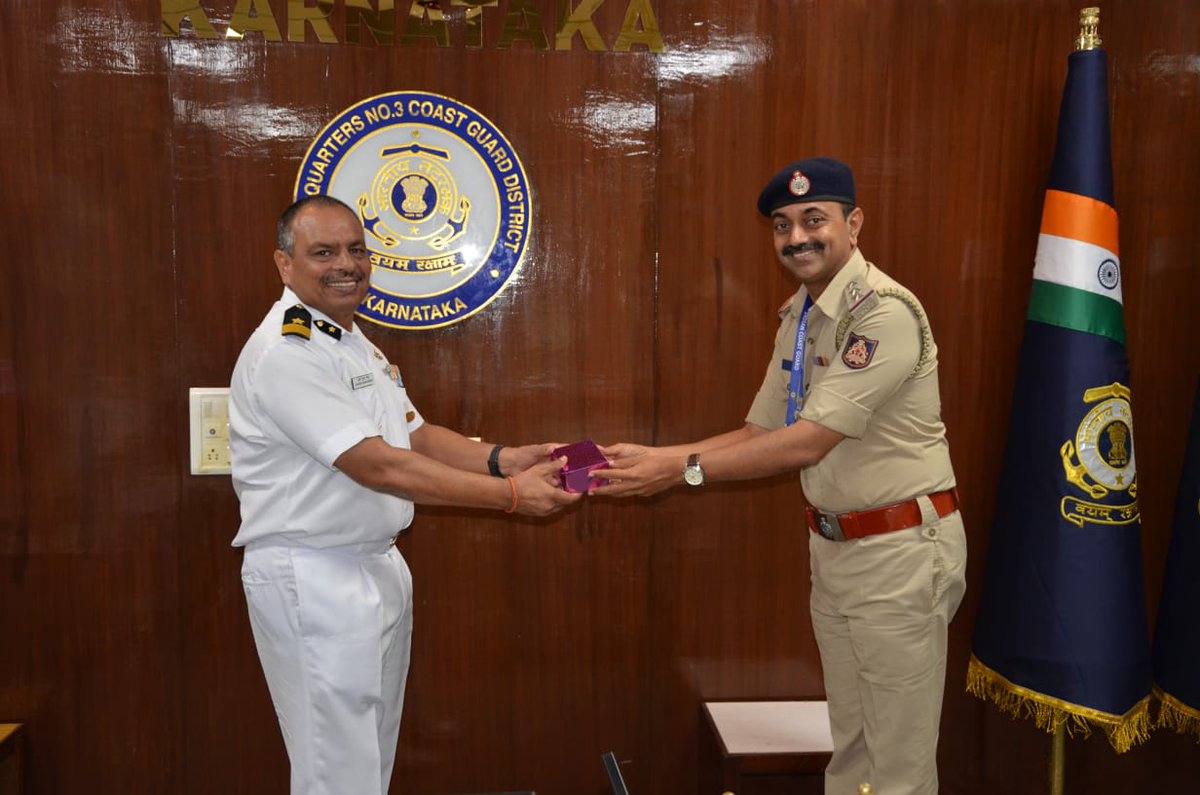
[(443, 199), (1105, 444), (1109, 274)]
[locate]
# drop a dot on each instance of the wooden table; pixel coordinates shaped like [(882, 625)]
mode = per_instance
[(12, 758), (749, 747)]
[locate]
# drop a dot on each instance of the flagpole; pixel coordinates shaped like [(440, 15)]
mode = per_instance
[(1089, 39), (1058, 747)]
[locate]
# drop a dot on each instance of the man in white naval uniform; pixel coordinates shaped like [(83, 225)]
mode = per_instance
[(329, 455)]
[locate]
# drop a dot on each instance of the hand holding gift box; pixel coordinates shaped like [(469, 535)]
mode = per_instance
[(582, 459)]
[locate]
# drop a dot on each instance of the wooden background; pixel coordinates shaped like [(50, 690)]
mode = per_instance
[(142, 176)]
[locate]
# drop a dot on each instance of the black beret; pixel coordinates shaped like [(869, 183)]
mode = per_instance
[(818, 179)]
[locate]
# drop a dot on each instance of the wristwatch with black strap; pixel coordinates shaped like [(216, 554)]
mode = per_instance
[(494, 462), (693, 475)]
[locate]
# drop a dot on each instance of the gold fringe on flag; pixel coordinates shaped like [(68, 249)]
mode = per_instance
[(1123, 731), (1174, 714)]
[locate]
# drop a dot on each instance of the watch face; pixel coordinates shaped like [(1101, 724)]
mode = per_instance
[(693, 476)]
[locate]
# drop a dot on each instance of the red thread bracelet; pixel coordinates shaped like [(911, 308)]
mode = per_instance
[(512, 484)]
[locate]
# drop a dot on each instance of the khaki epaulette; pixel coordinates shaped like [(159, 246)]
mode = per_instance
[(862, 304)]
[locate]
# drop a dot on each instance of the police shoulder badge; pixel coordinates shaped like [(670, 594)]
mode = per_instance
[(859, 351), (443, 199), (798, 185)]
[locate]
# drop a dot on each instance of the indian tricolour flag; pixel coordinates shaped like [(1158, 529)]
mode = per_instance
[(1061, 632)]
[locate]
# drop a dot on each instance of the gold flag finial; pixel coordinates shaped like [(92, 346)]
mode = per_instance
[(1089, 30)]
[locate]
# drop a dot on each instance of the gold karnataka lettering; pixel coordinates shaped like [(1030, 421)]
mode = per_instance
[(362, 21)]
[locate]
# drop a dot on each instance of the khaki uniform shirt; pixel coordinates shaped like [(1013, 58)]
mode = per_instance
[(871, 375)]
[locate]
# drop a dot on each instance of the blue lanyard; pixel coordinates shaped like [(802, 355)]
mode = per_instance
[(796, 385)]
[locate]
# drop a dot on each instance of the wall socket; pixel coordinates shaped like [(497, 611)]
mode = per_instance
[(208, 409)]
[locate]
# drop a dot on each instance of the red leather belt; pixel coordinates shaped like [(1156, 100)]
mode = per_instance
[(860, 524)]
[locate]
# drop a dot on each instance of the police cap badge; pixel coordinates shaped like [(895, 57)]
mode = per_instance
[(818, 179)]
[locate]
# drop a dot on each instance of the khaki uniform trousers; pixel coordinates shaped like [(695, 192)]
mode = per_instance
[(333, 629), (881, 607)]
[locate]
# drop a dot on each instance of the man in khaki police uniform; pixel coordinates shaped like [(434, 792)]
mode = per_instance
[(329, 454), (850, 398)]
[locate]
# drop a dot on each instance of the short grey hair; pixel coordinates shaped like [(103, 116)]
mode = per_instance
[(285, 232)]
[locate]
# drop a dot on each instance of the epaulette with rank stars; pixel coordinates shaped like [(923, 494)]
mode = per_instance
[(296, 322), (329, 328)]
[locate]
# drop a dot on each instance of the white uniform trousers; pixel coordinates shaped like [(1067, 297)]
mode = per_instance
[(333, 629), (880, 608)]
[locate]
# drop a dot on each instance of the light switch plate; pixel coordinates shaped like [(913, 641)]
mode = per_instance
[(208, 410)]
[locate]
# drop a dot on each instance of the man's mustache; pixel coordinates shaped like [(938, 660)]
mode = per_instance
[(340, 276), (801, 249)]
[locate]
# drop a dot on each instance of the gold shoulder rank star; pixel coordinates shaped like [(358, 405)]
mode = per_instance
[(330, 329)]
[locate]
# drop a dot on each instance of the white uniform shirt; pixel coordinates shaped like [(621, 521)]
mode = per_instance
[(297, 404)]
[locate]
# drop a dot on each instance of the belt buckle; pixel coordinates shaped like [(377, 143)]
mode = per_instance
[(825, 525), (829, 527)]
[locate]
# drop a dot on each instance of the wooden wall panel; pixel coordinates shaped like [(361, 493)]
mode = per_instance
[(89, 650), (143, 175)]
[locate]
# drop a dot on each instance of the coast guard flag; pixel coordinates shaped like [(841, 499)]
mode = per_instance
[(1061, 633), (1177, 633)]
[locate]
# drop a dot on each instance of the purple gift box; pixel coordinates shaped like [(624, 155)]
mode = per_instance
[(582, 458)]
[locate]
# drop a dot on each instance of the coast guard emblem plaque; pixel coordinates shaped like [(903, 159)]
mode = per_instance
[(443, 199)]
